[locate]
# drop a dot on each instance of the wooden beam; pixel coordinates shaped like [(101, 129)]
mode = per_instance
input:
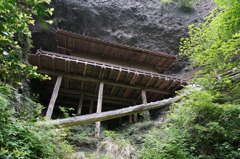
[(80, 105), (149, 81), (103, 73), (74, 104), (84, 69), (99, 108), (130, 118), (97, 88), (73, 44), (154, 97), (117, 46), (100, 73), (84, 73), (39, 61), (63, 48), (119, 73), (54, 97), (91, 107), (144, 97), (91, 118), (65, 41), (171, 85), (133, 78), (177, 86), (135, 118), (67, 65), (94, 69), (109, 82), (98, 63), (163, 84), (91, 94), (127, 76), (76, 68), (53, 63), (127, 90), (126, 93), (110, 73), (82, 85), (154, 85), (146, 114), (112, 90)]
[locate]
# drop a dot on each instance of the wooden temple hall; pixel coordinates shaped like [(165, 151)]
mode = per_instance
[(92, 75)]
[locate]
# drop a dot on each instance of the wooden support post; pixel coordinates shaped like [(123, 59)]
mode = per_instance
[(80, 105), (85, 69), (149, 81), (146, 114), (99, 108), (135, 119), (39, 61), (144, 97), (100, 73), (53, 64), (54, 97), (91, 107), (82, 85), (130, 118)]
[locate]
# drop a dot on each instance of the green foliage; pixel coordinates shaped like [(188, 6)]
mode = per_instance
[(15, 43), (205, 123), (66, 111), (23, 107), (199, 127), (215, 44), (20, 137)]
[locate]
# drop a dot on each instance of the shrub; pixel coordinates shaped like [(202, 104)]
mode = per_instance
[(199, 127), (24, 138)]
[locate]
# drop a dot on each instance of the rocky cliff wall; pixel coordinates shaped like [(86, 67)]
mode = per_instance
[(145, 24)]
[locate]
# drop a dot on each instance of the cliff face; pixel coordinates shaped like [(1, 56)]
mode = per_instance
[(145, 24)]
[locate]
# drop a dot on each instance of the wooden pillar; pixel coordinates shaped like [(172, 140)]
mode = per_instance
[(80, 105), (91, 107), (135, 119), (130, 118), (54, 97), (99, 108), (146, 114), (144, 97)]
